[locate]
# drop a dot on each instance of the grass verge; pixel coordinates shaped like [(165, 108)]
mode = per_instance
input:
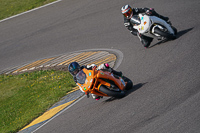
[(26, 96), (12, 7)]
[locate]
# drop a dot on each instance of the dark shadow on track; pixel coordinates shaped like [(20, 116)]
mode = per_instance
[(179, 34), (134, 88)]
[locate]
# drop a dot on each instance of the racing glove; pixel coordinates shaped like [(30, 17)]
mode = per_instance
[(149, 12)]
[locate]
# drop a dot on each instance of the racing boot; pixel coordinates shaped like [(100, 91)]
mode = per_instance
[(117, 73), (96, 96), (107, 66), (99, 97), (146, 41)]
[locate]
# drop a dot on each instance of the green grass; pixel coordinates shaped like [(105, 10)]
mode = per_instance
[(12, 7), (26, 96)]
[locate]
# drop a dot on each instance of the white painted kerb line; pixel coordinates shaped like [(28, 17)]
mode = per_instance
[(30, 10)]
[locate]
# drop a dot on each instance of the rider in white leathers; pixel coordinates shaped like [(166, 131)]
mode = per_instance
[(128, 12)]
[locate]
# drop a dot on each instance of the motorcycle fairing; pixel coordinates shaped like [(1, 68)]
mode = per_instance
[(92, 80), (157, 20), (148, 23), (110, 76), (144, 24), (87, 79)]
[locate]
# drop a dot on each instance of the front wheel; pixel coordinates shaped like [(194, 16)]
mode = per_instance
[(164, 34), (175, 30), (129, 84), (114, 93)]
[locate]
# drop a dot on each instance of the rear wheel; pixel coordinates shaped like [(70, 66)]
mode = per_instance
[(117, 93), (164, 34)]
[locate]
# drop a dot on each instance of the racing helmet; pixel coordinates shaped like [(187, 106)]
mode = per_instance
[(127, 11), (74, 68)]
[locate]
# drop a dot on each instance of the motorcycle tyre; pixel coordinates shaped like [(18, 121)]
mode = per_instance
[(129, 84), (116, 94), (164, 34), (175, 30)]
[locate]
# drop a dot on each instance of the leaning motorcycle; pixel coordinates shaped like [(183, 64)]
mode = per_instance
[(102, 83), (153, 27)]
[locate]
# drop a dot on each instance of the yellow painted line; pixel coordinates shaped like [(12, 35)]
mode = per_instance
[(69, 60), (78, 57), (47, 115), (24, 67), (83, 57), (34, 64), (93, 58), (63, 58), (104, 60), (41, 62)]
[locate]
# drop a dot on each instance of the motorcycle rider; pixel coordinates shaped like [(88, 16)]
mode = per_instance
[(74, 68), (128, 12)]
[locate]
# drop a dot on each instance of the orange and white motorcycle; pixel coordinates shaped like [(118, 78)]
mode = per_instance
[(102, 83)]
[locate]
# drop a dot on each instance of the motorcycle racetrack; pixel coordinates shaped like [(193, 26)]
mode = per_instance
[(166, 77)]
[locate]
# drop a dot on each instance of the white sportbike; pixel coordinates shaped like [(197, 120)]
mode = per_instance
[(153, 27)]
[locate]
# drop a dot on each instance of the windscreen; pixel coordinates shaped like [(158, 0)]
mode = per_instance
[(81, 77), (135, 20)]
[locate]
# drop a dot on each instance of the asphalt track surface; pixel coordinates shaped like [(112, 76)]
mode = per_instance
[(165, 97)]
